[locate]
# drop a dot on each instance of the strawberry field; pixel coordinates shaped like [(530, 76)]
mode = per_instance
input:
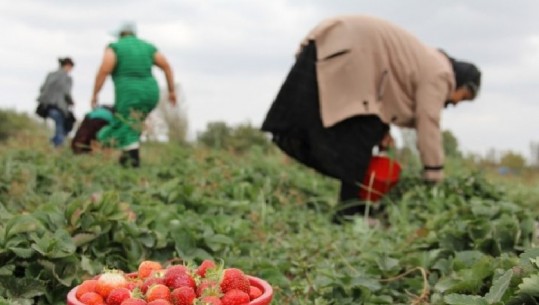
[(64, 218)]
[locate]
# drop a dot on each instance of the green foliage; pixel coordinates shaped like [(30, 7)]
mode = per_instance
[(513, 160), (64, 218), (462, 299), (216, 135), (13, 124), (409, 160), (451, 144), (240, 138), (499, 287)]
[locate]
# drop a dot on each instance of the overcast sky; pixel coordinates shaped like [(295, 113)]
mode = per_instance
[(231, 56)]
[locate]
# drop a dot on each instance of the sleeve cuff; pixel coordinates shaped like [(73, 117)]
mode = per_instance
[(433, 168), (435, 175)]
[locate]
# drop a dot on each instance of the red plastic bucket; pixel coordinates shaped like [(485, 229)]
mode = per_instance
[(264, 299), (382, 174)]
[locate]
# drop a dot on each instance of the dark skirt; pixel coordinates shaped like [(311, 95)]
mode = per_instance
[(342, 151), (86, 133)]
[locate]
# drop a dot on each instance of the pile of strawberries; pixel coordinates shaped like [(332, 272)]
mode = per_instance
[(207, 284)]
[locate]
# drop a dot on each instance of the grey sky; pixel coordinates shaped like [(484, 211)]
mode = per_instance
[(232, 55)]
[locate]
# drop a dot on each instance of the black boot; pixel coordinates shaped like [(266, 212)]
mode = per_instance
[(349, 203), (130, 158)]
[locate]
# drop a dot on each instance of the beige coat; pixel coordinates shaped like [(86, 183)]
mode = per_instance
[(366, 65)]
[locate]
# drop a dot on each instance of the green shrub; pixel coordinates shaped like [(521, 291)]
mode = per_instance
[(13, 123), (216, 135), (239, 138)]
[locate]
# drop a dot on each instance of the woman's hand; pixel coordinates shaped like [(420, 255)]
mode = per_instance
[(172, 98), (387, 142), (93, 102)]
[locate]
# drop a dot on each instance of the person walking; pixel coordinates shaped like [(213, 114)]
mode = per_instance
[(353, 77), (129, 61), (55, 100)]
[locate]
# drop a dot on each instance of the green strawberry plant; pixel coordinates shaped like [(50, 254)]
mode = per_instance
[(64, 218)]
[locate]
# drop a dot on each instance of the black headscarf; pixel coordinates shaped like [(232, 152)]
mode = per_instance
[(466, 74)]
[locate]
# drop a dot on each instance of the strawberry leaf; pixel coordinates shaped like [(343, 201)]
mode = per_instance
[(7, 270), (22, 252), (526, 259), (22, 287), (22, 224), (462, 299), (530, 286), (499, 287)]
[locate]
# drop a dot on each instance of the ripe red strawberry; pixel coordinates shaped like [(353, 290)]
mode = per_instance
[(205, 265), (132, 284), (118, 295), (86, 286), (158, 291), (176, 268), (211, 300), (149, 282), (160, 302), (183, 296), (208, 288), (234, 278), (91, 298), (146, 268), (134, 301), (235, 297), (181, 280), (172, 272), (254, 292), (108, 281)]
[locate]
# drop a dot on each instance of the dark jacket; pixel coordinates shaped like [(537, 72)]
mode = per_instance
[(56, 90)]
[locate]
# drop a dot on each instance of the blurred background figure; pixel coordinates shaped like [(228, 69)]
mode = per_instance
[(55, 100), (93, 122), (129, 61)]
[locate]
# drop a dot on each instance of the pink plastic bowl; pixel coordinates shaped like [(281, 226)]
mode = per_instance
[(267, 291), (264, 299)]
